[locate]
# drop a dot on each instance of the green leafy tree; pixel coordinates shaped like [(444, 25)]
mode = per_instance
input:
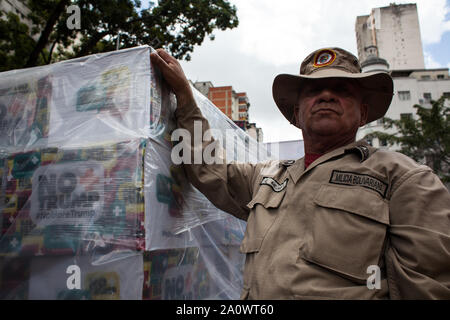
[(16, 44), (425, 139), (176, 25)]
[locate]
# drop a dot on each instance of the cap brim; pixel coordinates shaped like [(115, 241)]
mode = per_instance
[(378, 88)]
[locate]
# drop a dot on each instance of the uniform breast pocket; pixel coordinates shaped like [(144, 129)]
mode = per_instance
[(265, 206), (348, 230)]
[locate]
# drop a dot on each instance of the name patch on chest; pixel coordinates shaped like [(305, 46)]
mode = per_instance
[(357, 179), (277, 187)]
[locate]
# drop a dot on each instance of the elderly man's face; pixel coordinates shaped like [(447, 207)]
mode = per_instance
[(330, 107)]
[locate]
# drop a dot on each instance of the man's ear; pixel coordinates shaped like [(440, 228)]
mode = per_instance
[(364, 113)]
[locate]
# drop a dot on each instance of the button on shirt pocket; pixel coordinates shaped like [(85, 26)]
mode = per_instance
[(348, 230)]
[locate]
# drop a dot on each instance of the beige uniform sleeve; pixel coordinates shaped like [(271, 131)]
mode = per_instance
[(227, 186), (418, 257)]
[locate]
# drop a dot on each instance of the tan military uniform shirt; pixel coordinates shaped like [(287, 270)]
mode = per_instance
[(320, 233)]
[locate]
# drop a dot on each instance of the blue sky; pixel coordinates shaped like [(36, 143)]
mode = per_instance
[(145, 3), (441, 50)]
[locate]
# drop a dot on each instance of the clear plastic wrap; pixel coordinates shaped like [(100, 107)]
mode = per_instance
[(72, 201), (167, 187), (88, 188), (101, 98), (25, 99), (46, 277)]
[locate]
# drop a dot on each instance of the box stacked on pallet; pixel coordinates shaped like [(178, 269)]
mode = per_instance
[(91, 205)]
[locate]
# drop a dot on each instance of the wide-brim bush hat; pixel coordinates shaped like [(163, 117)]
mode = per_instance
[(333, 63)]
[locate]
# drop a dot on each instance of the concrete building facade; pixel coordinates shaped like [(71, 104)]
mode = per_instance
[(244, 104), (19, 8), (226, 99), (411, 87), (202, 86), (234, 105), (16, 6), (395, 32), (255, 132)]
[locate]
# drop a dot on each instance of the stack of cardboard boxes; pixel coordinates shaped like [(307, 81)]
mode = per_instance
[(91, 205)]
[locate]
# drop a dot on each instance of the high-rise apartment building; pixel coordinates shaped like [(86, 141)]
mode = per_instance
[(244, 104), (395, 32), (15, 6), (413, 84), (234, 105), (19, 8), (226, 99), (411, 87)]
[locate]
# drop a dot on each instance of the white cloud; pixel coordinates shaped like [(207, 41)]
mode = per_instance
[(430, 62), (432, 21), (286, 31)]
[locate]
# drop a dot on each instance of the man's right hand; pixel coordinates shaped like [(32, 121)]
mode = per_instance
[(174, 75)]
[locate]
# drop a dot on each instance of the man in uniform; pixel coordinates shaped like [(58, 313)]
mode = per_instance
[(347, 221)]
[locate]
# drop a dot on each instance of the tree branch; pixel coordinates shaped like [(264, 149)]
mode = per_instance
[(49, 60), (43, 39)]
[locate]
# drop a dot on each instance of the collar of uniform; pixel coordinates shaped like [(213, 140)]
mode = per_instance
[(298, 169)]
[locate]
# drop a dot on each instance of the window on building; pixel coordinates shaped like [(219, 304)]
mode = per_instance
[(447, 95), (404, 95), (427, 97), (441, 76), (426, 77), (405, 116)]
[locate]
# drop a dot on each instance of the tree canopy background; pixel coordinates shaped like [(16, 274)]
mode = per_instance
[(176, 25), (425, 138)]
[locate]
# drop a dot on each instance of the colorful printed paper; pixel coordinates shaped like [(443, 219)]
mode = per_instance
[(104, 98), (24, 109), (69, 201), (117, 279)]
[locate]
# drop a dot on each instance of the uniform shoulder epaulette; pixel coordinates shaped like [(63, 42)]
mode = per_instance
[(363, 151), (286, 163)]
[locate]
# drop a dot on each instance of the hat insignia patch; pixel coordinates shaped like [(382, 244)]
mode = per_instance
[(324, 58)]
